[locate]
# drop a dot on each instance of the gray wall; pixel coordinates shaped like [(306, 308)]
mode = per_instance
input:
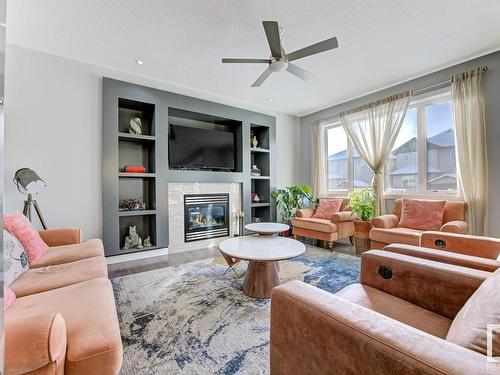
[(492, 98), (53, 125)]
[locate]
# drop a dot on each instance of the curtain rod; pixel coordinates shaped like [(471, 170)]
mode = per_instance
[(419, 91)]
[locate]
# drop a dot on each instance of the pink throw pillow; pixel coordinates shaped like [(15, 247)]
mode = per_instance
[(8, 297), (20, 227), (327, 207), (422, 214)]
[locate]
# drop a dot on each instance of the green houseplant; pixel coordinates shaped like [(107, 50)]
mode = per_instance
[(363, 203), (292, 198)]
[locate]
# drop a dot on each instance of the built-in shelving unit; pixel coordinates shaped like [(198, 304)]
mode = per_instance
[(260, 185), (157, 110), (136, 150)]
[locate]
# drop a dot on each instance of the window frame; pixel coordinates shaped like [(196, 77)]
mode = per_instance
[(420, 102)]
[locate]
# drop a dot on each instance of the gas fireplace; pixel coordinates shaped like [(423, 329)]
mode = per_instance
[(205, 216)]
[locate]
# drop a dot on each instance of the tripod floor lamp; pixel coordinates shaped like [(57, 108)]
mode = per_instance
[(28, 182)]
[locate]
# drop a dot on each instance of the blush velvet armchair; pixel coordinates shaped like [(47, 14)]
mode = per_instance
[(386, 231), (340, 225)]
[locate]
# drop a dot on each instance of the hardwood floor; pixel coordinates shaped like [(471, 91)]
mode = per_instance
[(148, 264)]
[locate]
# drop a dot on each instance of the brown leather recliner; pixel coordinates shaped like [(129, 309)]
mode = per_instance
[(340, 225), (386, 231), (407, 316), (482, 253)]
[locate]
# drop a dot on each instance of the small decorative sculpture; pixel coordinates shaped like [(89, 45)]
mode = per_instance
[(256, 198), (132, 241), (255, 171), (239, 215), (135, 126), (147, 242), (255, 142), (135, 204)]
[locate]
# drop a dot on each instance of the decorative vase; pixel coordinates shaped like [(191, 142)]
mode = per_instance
[(255, 142), (135, 126)]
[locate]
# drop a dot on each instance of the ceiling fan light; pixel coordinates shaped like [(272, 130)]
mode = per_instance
[(278, 66)]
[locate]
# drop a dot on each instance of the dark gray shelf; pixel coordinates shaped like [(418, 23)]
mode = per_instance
[(262, 204), (136, 137), (136, 175), (259, 150), (137, 213)]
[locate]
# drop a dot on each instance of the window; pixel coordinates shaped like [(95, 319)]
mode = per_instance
[(337, 159), (423, 158), (346, 169)]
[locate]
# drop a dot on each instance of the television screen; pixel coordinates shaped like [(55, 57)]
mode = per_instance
[(190, 147)]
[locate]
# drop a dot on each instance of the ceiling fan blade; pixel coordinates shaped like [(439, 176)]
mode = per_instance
[(299, 72), (273, 37), (313, 49), (246, 61), (262, 78)]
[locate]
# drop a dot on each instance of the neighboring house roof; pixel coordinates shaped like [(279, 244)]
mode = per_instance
[(411, 169), (357, 183), (341, 155), (451, 176), (443, 139)]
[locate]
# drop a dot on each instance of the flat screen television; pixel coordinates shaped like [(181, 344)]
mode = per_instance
[(190, 147)]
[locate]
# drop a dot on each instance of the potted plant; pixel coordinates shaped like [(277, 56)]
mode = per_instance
[(290, 199), (363, 203)]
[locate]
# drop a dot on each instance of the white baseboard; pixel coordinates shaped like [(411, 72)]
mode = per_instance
[(138, 255)]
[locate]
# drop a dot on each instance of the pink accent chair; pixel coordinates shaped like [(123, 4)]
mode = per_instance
[(340, 225), (385, 228), (64, 318)]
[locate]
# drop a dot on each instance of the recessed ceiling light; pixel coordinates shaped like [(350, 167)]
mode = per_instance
[(269, 100), (140, 62), (3, 24)]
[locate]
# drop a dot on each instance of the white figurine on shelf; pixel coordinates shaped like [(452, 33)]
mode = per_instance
[(135, 126)]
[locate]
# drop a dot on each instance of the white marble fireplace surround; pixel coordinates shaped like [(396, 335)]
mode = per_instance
[(176, 192)]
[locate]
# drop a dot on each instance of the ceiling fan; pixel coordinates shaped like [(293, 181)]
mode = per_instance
[(280, 60)]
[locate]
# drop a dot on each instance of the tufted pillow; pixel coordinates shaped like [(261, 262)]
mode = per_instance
[(483, 307), (327, 207), (19, 226), (422, 214), (15, 258), (8, 297)]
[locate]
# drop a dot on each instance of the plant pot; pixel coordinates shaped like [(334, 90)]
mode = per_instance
[(362, 228), (361, 244)]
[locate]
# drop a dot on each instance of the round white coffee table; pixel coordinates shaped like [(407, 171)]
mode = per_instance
[(263, 254), (267, 228)]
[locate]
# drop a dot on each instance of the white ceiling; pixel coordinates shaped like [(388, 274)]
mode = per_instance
[(381, 42)]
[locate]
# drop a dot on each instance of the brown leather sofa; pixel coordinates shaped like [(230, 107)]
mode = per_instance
[(386, 231), (341, 225), (482, 253), (407, 316), (64, 319)]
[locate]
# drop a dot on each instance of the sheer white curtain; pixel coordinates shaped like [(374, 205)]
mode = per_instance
[(468, 109), (373, 129), (318, 160)]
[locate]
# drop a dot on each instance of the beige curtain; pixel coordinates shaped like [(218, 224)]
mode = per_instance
[(318, 161), (373, 129), (468, 109)]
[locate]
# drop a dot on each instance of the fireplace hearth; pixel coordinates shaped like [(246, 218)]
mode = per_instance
[(205, 216)]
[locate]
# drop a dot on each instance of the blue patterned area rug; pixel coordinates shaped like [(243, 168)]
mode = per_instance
[(192, 319)]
